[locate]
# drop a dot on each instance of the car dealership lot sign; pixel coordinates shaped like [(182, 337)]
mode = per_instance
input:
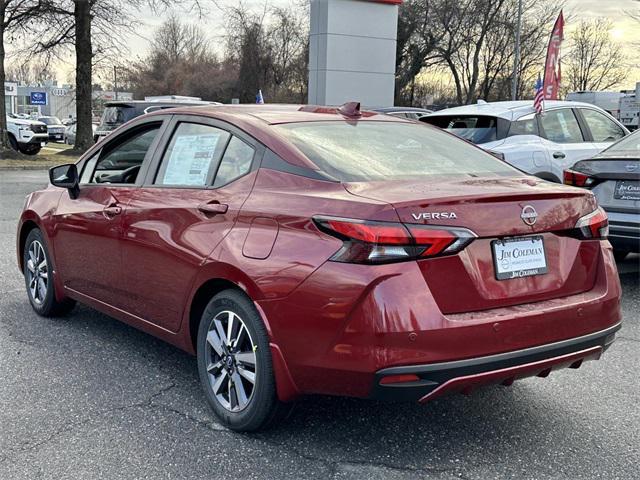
[(11, 89), (38, 98)]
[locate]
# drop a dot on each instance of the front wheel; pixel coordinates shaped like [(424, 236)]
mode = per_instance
[(235, 366), (29, 149), (37, 269)]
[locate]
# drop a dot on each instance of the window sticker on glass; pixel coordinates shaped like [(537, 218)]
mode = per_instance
[(190, 159)]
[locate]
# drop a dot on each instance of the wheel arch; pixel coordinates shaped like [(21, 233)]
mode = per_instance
[(203, 294), (206, 289), (25, 228)]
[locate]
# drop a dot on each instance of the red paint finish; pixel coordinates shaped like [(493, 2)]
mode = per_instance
[(261, 238), (332, 325)]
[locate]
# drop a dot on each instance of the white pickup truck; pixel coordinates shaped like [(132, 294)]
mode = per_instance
[(27, 136)]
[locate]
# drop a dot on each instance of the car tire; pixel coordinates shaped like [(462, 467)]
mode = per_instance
[(620, 255), (225, 366), (37, 269), (29, 149)]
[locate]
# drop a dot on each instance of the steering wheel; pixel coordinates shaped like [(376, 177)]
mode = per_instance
[(129, 175)]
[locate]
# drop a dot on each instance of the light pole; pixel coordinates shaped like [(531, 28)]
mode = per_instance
[(516, 60), (115, 82)]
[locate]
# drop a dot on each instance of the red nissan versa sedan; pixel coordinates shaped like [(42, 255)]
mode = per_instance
[(301, 250)]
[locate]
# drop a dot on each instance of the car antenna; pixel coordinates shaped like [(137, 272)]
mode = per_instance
[(350, 109)]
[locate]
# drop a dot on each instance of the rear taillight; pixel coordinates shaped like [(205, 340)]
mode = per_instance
[(385, 242), (594, 226), (578, 179)]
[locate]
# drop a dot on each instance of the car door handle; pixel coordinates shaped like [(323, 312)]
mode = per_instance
[(213, 208), (111, 211), (558, 155)]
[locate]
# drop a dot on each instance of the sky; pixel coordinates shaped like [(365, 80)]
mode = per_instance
[(625, 29)]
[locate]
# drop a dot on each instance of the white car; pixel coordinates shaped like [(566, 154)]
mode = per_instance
[(543, 145), (54, 127), (27, 136)]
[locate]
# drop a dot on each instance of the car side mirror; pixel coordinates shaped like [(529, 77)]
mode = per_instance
[(66, 176)]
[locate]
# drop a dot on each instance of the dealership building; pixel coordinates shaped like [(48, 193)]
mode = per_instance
[(53, 100)]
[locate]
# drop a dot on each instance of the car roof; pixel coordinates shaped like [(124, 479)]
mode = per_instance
[(257, 121), (273, 114), (401, 109), (508, 110)]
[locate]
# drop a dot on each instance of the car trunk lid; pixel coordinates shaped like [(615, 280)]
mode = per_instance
[(493, 209), (616, 182)]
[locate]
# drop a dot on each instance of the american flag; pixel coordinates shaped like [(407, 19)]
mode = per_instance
[(538, 101)]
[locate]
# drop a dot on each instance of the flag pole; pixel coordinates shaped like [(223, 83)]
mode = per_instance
[(516, 61)]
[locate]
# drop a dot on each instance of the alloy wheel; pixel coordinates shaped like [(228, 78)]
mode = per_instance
[(37, 272), (231, 361)]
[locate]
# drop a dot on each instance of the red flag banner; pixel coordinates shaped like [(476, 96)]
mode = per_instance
[(552, 65)]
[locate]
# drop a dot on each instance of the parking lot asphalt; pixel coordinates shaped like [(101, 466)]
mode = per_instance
[(88, 397)]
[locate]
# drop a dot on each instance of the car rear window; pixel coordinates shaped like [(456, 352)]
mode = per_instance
[(475, 128), (117, 114), (629, 146), (368, 151)]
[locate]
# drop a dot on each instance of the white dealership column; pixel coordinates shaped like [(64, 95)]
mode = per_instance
[(352, 52)]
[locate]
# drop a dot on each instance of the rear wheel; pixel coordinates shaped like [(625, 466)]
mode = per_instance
[(235, 366), (37, 269)]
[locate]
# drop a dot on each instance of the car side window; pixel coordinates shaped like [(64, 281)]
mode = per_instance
[(235, 162), (603, 129), (192, 156), (525, 126), (121, 162), (561, 126)]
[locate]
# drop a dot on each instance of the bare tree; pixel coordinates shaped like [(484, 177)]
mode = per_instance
[(29, 71), (270, 50), (288, 38), (15, 16), (594, 61), (417, 40), (93, 29), (181, 61), (479, 18)]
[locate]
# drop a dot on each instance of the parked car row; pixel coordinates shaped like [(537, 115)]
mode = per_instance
[(567, 143), (542, 145)]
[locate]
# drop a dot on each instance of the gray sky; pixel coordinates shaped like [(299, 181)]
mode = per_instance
[(625, 29)]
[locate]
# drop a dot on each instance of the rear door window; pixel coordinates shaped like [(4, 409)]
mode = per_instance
[(193, 155), (602, 128), (235, 163), (524, 126), (561, 126)]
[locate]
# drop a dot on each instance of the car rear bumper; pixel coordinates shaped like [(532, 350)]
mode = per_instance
[(624, 231), (435, 380)]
